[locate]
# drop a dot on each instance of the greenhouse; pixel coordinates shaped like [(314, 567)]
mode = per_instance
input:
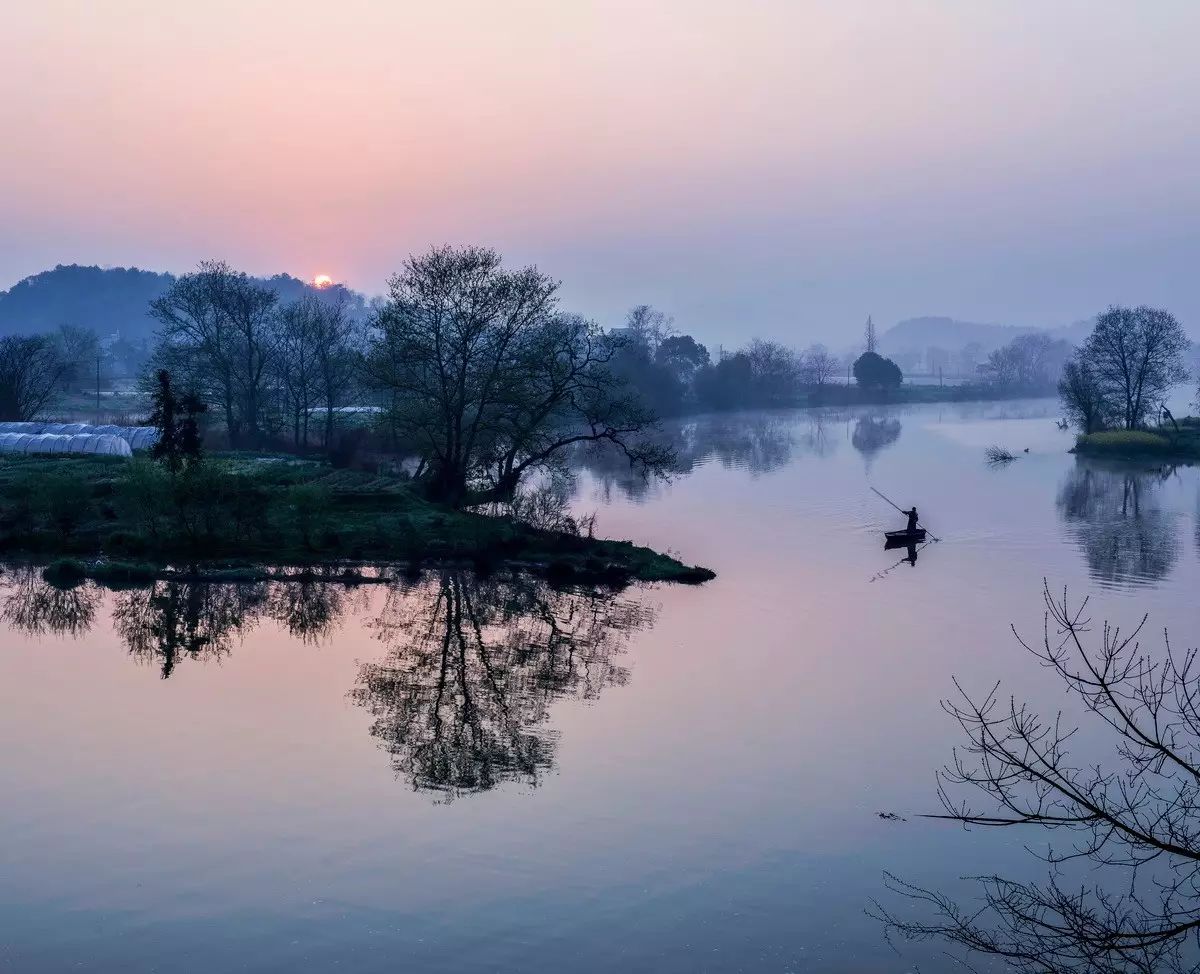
[(137, 437), (104, 444)]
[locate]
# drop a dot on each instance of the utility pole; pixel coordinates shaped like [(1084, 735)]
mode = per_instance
[(97, 387)]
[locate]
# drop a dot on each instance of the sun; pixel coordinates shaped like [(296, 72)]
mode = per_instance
[(322, 281)]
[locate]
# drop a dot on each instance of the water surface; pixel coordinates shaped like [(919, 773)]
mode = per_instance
[(458, 774)]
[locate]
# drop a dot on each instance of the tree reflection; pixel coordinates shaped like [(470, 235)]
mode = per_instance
[(462, 701), (35, 607), (171, 621), (1114, 514), (759, 443), (872, 434)]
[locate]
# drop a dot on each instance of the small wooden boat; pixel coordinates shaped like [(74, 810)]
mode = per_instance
[(899, 539)]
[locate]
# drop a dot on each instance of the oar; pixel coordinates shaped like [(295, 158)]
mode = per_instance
[(902, 511)]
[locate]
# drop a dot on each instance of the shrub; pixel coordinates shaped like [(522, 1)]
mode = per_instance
[(873, 371), (64, 573), (63, 502), (1124, 442), (309, 505), (144, 494)]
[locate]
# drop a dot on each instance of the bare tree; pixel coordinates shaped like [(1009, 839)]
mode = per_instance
[(1124, 895), (649, 326), (775, 370), (1029, 362), (1083, 397), (30, 371), (870, 341), (297, 365), (218, 336), (79, 350), (337, 342), (489, 380), (1136, 354), (818, 365)]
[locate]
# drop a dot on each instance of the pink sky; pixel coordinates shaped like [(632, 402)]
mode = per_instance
[(782, 168)]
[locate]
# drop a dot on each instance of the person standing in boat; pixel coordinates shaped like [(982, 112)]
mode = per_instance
[(912, 519)]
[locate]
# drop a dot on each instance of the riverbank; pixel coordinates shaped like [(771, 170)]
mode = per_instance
[(1163, 443), (245, 515)]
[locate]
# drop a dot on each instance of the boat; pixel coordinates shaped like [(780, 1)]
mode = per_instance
[(899, 539)]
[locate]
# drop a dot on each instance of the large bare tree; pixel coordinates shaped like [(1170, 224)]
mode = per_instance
[(30, 371), (218, 335), (489, 380), (1136, 354)]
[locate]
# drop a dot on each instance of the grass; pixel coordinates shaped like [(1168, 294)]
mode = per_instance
[(124, 523), (1163, 444)]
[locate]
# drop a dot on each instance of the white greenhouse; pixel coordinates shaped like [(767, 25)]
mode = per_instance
[(136, 437), (104, 444)]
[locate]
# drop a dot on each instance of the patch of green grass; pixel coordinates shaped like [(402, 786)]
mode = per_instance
[(1140, 443), (252, 512)]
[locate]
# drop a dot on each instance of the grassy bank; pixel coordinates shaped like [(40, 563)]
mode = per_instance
[(127, 522), (1163, 443)]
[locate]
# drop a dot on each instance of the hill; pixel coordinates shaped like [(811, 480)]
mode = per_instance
[(107, 300)]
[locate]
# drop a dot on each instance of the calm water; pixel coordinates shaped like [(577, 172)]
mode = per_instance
[(466, 775)]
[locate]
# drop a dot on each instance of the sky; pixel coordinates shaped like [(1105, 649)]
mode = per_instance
[(752, 167)]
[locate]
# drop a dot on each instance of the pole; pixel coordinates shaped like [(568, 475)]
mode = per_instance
[(97, 388), (902, 511)]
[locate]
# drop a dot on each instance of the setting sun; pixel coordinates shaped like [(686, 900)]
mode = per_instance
[(322, 281)]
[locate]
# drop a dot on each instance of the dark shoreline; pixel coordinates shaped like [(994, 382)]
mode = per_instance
[(96, 518)]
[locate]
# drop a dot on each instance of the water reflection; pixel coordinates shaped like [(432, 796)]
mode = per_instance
[(1114, 513), (462, 701), (873, 434), (172, 621), (32, 606)]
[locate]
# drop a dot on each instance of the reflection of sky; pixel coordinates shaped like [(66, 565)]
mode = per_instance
[(781, 167), (719, 810)]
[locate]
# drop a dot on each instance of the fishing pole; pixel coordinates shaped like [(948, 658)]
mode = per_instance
[(902, 511)]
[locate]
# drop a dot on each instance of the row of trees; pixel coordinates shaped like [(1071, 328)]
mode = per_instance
[(676, 374), (1029, 364), (257, 363), (1121, 375)]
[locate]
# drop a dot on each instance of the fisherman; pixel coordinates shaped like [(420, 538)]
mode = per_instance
[(912, 519)]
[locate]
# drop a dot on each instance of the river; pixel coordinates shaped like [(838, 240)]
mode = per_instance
[(456, 774)]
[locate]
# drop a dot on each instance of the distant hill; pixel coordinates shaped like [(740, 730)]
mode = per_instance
[(106, 299), (918, 334)]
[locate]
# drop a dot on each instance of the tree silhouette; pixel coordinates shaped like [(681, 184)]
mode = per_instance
[(1123, 894)]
